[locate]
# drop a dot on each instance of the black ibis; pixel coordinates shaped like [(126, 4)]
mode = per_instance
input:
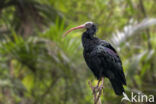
[(101, 58)]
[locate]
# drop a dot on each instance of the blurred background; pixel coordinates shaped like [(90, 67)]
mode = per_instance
[(38, 66)]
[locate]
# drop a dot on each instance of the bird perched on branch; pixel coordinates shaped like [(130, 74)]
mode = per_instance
[(101, 58)]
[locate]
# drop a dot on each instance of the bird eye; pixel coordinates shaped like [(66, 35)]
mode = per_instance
[(88, 25)]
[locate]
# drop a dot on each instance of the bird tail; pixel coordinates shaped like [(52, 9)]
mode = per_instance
[(117, 86)]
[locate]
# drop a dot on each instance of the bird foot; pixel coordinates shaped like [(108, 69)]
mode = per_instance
[(100, 88), (96, 88)]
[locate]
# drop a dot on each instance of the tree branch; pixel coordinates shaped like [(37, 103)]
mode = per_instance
[(96, 94)]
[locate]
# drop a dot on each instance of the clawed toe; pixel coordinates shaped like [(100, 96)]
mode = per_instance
[(95, 89), (101, 87)]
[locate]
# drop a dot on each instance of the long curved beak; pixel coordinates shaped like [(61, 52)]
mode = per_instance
[(74, 28)]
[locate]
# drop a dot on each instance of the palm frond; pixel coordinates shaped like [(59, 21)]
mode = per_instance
[(132, 29)]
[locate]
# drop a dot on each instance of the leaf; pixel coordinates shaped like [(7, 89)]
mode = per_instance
[(132, 29), (28, 81)]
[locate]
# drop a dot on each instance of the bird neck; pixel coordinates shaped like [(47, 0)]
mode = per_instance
[(87, 40)]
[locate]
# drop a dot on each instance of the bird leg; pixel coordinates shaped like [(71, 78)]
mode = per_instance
[(99, 92), (97, 86), (98, 83), (102, 85)]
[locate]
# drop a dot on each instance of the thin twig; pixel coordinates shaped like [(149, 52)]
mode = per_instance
[(96, 94), (93, 91)]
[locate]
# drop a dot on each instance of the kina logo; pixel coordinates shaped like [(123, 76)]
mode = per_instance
[(138, 97)]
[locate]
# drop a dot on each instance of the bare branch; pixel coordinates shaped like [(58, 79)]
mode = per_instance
[(96, 93)]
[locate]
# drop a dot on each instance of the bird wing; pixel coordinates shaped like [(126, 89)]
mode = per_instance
[(109, 59)]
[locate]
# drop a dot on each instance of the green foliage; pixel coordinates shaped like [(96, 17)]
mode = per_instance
[(39, 66)]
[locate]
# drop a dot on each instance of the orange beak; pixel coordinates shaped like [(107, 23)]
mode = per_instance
[(74, 28)]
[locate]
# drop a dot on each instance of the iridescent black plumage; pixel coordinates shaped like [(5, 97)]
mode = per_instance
[(103, 59)]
